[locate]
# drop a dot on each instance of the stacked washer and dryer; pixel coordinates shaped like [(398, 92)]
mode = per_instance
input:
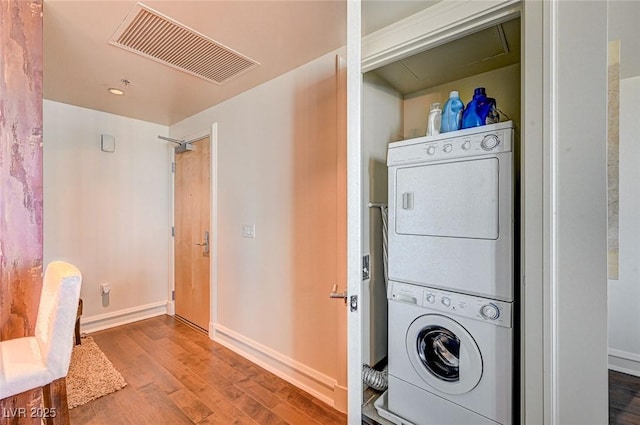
[(451, 278)]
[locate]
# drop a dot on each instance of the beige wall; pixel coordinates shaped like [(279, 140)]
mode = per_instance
[(624, 293), (502, 84), (277, 169), (108, 213)]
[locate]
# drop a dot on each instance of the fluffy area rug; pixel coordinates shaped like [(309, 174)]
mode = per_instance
[(91, 374)]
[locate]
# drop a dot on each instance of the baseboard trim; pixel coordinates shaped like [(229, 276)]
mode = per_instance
[(340, 398), (310, 380), (171, 308), (625, 362), (122, 317)]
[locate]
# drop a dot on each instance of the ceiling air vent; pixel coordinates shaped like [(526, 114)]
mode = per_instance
[(155, 36)]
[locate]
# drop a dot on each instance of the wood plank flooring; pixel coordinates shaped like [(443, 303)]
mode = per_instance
[(177, 375), (624, 399)]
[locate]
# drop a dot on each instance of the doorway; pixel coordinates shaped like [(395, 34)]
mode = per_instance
[(395, 105), (193, 233)]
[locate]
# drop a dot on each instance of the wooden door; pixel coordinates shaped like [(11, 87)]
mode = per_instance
[(193, 233)]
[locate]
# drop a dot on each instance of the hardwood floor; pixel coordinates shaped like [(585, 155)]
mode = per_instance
[(177, 375), (624, 399)]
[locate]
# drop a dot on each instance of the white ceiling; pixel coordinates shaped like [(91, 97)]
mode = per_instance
[(79, 64), (377, 14)]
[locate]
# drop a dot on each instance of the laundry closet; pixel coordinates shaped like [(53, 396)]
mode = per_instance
[(396, 98)]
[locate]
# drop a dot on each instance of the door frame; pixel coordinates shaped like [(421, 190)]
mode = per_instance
[(354, 218), (212, 133)]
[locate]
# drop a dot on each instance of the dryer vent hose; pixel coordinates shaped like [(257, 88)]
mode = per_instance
[(376, 379)]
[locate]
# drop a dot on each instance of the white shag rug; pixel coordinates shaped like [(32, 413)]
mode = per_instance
[(91, 374)]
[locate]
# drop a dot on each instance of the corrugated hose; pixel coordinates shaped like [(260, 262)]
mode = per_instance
[(376, 379)]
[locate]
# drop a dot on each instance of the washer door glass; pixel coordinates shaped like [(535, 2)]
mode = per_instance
[(439, 351), (444, 354)]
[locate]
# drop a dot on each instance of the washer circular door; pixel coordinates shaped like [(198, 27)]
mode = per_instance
[(444, 354)]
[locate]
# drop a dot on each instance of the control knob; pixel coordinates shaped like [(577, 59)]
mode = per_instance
[(490, 311), (431, 150), (489, 142), (446, 301), (431, 298), (447, 148), (466, 145)]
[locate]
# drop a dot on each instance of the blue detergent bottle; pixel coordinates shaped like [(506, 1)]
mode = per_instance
[(452, 113), (480, 110)]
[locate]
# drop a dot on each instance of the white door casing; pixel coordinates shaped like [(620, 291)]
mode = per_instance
[(354, 218)]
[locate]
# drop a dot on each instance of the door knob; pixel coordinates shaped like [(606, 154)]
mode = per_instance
[(205, 244), (335, 294)]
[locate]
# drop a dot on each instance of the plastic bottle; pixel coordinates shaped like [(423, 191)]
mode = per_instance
[(435, 117), (452, 113), (480, 110)]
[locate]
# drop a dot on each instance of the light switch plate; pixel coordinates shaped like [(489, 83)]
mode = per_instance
[(248, 230), (108, 143)]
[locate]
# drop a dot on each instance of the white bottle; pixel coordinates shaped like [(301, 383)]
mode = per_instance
[(435, 117)]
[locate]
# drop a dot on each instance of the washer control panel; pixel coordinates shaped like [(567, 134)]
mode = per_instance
[(483, 309), (475, 141)]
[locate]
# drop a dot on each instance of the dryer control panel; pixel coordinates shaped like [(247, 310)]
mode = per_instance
[(479, 308), (494, 138)]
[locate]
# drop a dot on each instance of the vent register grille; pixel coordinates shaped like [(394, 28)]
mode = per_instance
[(157, 37)]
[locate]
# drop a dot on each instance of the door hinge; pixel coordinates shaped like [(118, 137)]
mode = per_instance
[(173, 167), (353, 304), (173, 231), (173, 295)]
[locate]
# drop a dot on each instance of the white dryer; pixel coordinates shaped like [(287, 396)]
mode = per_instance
[(450, 357), (451, 211)]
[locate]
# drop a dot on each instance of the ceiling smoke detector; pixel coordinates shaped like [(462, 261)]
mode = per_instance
[(150, 34)]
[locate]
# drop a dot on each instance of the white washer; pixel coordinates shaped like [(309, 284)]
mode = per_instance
[(450, 357), (451, 211)]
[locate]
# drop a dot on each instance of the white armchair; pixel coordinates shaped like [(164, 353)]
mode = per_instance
[(36, 361)]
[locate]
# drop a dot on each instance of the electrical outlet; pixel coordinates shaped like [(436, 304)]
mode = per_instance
[(248, 230)]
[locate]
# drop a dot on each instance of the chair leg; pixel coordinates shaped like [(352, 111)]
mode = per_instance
[(78, 341), (54, 399), (77, 328)]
